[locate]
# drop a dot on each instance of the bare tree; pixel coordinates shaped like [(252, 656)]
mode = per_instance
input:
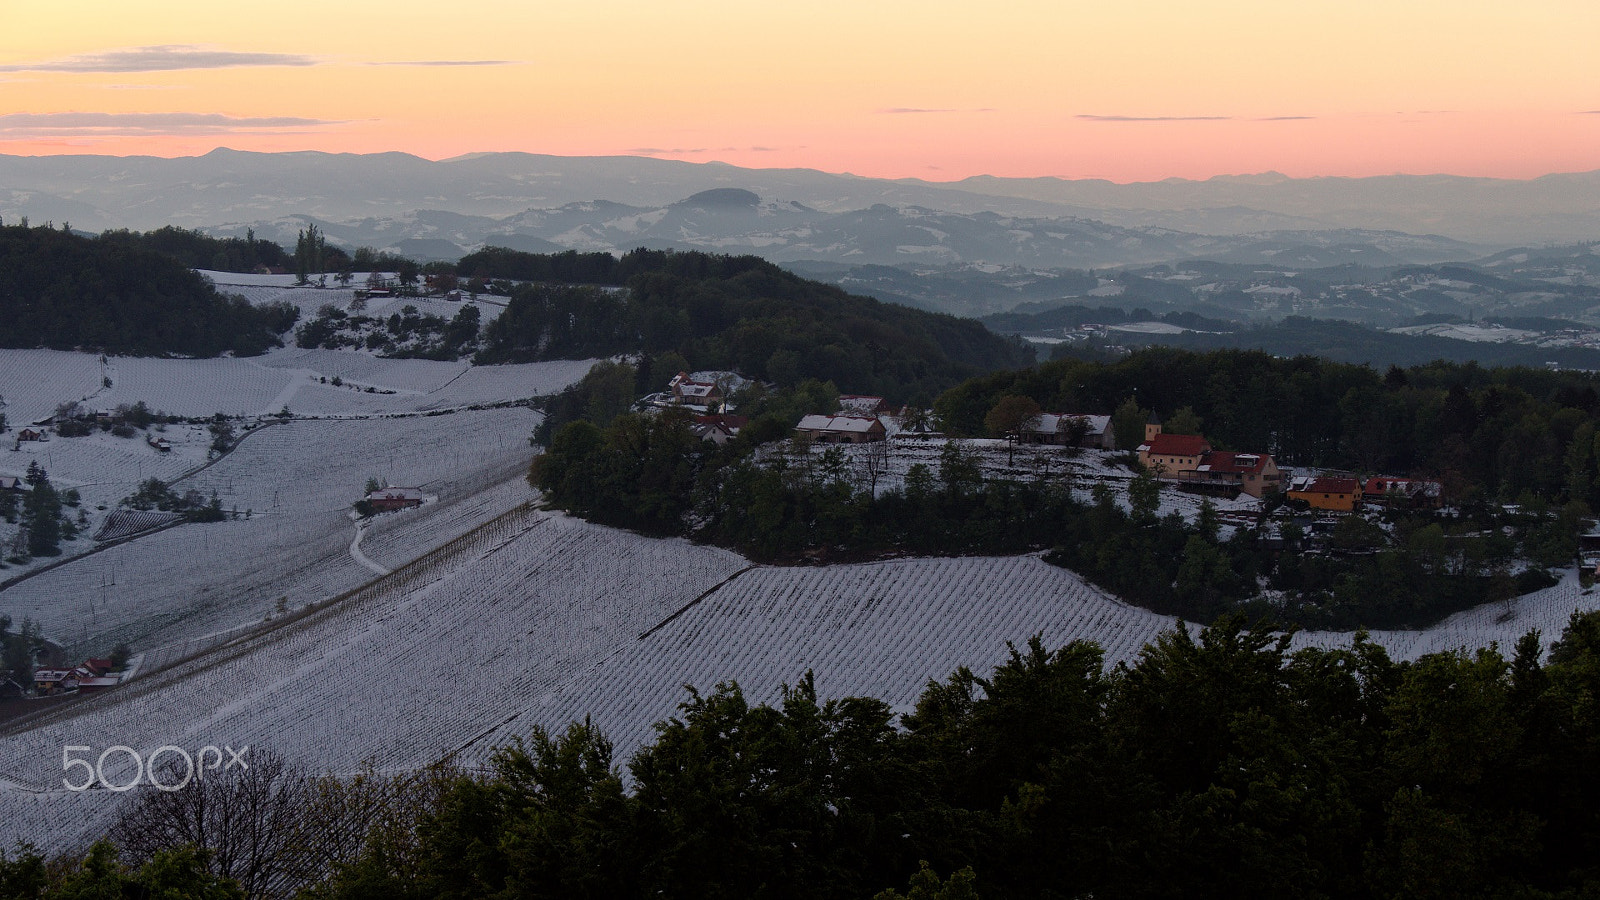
[(271, 827), (875, 459)]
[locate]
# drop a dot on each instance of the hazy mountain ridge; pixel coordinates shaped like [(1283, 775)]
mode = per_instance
[(792, 232), (232, 186)]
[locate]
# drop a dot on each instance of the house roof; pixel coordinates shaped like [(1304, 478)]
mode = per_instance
[(399, 493), (1176, 445), (1326, 484), (842, 423), (696, 388), (861, 402), (1223, 462)]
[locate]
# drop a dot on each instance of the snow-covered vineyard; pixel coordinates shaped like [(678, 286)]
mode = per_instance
[(537, 619), (299, 380), (168, 591)]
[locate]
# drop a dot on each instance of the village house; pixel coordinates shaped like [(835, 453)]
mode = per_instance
[(29, 434), (718, 429), (12, 483), (1221, 470), (1331, 493), (842, 429), (391, 499), (687, 392), (52, 681)]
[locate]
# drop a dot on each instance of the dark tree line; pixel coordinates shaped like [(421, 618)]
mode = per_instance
[(745, 314), (66, 292), (198, 250), (1212, 764)]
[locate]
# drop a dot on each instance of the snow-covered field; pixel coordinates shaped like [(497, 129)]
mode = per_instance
[(264, 385), (1494, 334), (538, 619), (296, 482)]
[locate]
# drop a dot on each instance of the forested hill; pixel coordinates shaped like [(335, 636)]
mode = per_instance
[(68, 292), (743, 313)]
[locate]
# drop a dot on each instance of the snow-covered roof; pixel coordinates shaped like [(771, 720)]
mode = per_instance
[(1052, 423), (843, 423), (401, 493)]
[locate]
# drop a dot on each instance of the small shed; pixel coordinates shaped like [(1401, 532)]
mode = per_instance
[(391, 499)]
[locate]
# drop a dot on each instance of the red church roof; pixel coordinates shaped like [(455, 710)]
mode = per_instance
[(1176, 445)]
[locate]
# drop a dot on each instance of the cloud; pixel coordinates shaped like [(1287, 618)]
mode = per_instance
[(449, 62), (1285, 118), (17, 126), (1089, 118), (1589, 112), (160, 58)]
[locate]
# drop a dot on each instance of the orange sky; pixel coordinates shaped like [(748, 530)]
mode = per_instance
[(1146, 90)]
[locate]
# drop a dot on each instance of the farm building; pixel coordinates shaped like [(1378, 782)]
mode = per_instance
[(1058, 429), (390, 499), (29, 434), (1335, 493), (12, 483), (842, 429), (862, 405), (1411, 493)]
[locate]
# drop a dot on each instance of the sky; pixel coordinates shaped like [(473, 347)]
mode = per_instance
[(1137, 90)]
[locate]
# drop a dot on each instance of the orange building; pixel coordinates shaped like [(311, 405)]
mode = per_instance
[(1335, 493)]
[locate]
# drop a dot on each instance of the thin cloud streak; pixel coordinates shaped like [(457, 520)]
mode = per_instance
[(16, 126), (161, 58), (1091, 118), (449, 62)]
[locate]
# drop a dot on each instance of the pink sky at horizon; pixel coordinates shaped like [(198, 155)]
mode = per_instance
[(935, 90)]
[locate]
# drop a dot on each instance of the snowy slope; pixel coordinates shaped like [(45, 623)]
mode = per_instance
[(35, 382), (538, 619)]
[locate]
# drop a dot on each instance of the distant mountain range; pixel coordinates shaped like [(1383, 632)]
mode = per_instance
[(737, 221), (232, 187)]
